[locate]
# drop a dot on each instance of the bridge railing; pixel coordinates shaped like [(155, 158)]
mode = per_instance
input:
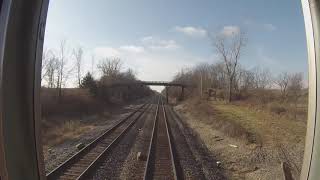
[(151, 83)]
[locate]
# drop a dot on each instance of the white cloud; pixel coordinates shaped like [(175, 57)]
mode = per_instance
[(191, 31), (270, 27), (159, 44), (265, 26), (230, 30), (132, 48), (146, 39), (265, 57), (107, 52), (150, 45), (248, 22)]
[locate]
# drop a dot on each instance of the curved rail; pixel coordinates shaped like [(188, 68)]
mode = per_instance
[(160, 162), (82, 163)]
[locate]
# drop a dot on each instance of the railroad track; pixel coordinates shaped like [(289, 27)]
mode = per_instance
[(160, 162), (80, 165)]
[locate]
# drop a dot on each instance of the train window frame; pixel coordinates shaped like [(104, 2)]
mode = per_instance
[(31, 15), (1, 1)]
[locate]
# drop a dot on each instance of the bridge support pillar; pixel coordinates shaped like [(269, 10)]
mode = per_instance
[(128, 92), (167, 94)]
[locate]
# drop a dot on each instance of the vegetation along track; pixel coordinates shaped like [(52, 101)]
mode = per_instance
[(160, 163), (85, 161)]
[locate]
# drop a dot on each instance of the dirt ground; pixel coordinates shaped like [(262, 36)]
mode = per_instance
[(249, 144)]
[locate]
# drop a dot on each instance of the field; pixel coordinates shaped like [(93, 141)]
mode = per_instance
[(64, 119), (250, 139)]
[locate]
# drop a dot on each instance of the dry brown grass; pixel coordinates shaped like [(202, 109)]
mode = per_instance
[(218, 120), (61, 118), (74, 102), (68, 130), (274, 105), (259, 115), (265, 134), (269, 126)]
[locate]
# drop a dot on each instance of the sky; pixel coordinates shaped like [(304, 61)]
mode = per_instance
[(157, 38)]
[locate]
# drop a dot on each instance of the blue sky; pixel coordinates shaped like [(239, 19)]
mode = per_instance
[(158, 37)]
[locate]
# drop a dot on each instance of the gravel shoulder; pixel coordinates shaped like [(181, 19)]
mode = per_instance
[(196, 161)]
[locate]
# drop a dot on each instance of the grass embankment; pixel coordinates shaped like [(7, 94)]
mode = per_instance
[(68, 117), (267, 126), (61, 132), (262, 139)]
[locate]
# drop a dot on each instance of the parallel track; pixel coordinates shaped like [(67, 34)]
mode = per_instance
[(160, 163), (85, 161)]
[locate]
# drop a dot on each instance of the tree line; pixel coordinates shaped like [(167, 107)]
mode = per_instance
[(232, 81), (59, 67)]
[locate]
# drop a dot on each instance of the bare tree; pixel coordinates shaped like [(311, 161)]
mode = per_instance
[(295, 87), (93, 59), (50, 71), (45, 60), (262, 78), (130, 75), (62, 61), (49, 68), (283, 81), (78, 54), (201, 71), (245, 80), (110, 67), (218, 75), (184, 76), (229, 47)]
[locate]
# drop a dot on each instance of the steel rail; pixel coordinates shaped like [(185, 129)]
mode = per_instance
[(174, 166), (157, 142), (147, 166), (94, 164), (76, 157)]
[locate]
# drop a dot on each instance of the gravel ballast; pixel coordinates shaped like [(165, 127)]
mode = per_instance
[(188, 167), (134, 168), (113, 164)]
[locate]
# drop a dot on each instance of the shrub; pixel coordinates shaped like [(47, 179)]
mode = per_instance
[(74, 102), (277, 108), (89, 83)]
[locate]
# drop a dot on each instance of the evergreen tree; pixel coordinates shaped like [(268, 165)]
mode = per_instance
[(88, 82)]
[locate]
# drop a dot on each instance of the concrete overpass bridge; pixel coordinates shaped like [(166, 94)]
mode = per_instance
[(166, 84)]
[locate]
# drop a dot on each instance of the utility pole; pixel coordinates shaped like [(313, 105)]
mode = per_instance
[(167, 94), (92, 64), (182, 93), (201, 84)]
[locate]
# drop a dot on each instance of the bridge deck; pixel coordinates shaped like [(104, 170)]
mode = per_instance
[(150, 83)]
